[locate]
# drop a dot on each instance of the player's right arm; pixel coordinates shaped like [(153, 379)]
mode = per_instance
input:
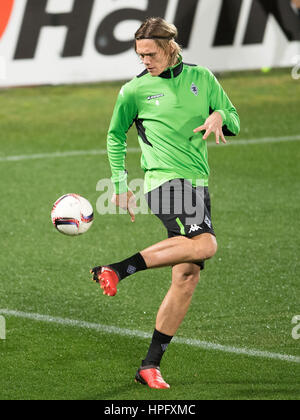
[(124, 114), (223, 113)]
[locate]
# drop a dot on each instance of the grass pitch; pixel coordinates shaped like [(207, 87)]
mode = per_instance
[(247, 296)]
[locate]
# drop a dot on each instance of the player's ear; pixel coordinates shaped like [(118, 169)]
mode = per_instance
[(172, 50)]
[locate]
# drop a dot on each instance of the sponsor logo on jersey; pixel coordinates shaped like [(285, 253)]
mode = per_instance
[(155, 96)]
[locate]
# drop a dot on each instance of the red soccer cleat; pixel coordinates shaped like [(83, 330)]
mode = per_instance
[(151, 376), (107, 278)]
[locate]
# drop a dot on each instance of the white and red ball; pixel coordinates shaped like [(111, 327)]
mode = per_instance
[(72, 214)]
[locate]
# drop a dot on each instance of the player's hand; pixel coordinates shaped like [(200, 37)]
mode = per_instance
[(213, 124), (126, 201)]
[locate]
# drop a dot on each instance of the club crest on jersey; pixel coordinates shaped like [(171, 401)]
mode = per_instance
[(194, 89)]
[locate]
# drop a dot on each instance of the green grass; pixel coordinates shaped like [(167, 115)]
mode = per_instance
[(248, 293)]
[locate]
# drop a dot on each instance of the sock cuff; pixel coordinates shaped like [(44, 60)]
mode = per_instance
[(141, 261), (157, 348), (129, 266), (161, 337)]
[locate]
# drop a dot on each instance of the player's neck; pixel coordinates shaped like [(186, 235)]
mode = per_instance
[(174, 61)]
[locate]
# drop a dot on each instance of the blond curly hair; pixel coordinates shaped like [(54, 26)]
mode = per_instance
[(163, 33)]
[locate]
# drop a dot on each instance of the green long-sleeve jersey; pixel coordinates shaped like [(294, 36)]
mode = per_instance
[(166, 109)]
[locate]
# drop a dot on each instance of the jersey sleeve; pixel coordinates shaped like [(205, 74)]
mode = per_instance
[(220, 102), (124, 114)]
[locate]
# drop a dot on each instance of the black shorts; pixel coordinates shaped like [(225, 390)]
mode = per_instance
[(183, 209)]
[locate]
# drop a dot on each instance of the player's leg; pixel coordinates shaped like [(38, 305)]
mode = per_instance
[(185, 277), (175, 305), (180, 250), (172, 311), (166, 253)]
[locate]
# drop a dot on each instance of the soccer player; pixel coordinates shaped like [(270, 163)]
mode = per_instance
[(175, 107)]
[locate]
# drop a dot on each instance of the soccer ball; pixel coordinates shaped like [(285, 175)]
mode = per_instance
[(72, 214)]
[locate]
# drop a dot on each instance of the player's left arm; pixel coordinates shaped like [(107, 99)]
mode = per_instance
[(223, 119)]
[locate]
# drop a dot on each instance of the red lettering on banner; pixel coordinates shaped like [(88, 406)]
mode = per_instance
[(6, 7)]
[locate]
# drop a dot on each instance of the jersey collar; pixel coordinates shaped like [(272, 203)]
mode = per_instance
[(173, 71)]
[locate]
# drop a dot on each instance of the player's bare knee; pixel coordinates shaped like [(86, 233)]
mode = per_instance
[(212, 247), (187, 282), (190, 283), (204, 250)]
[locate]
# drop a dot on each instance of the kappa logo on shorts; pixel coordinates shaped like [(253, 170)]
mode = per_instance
[(195, 228)]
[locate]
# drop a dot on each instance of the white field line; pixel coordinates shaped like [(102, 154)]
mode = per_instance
[(140, 334), (96, 152)]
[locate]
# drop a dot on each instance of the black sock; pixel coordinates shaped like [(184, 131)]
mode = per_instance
[(157, 348), (129, 266)]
